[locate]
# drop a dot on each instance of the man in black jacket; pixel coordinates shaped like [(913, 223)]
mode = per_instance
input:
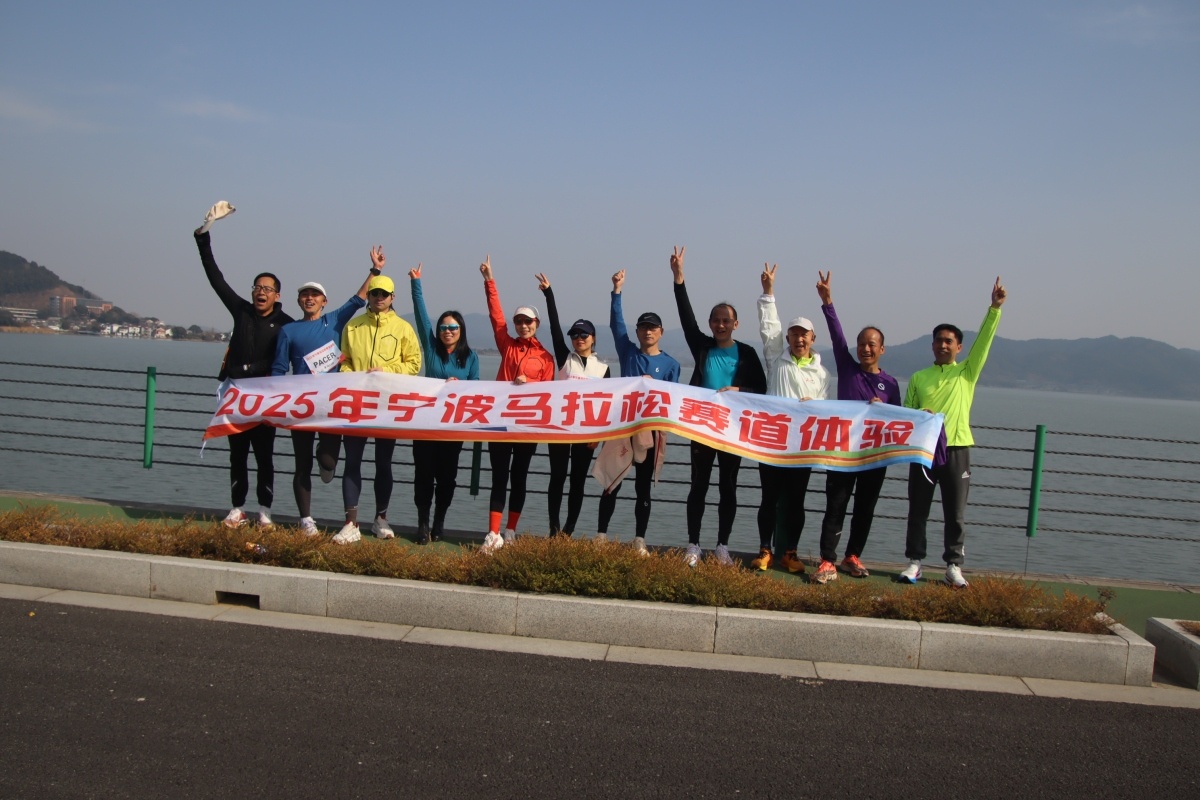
[(725, 366), (256, 324)]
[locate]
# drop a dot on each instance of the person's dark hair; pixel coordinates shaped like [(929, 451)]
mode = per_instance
[(871, 328), (462, 350), (271, 275), (732, 310), (946, 326)]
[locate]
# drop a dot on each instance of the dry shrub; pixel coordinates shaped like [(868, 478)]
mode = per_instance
[(1191, 627), (571, 567)]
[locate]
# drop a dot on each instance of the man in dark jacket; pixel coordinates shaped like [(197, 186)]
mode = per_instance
[(256, 324), (725, 366)]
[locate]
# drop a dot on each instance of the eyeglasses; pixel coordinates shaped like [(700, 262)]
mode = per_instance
[(378, 293), (523, 321), (444, 328), (262, 287), (580, 335)]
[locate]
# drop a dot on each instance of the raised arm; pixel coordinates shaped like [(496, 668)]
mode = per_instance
[(616, 318), (769, 326), (696, 340), (231, 299), (987, 332), (837, 338), (495, 311), (425, 332), (561, 351)]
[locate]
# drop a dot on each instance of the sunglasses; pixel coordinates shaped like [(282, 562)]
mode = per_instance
[(444, 328), (262, 287), (378, 293), (523, 321), (580, 335)]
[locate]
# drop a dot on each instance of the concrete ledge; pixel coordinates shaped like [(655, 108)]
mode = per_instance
[(292, 591), (621, 622), (422, 604), (813, 637), (1122, 658), (1178, 650), (99, 571), (1027, 654)]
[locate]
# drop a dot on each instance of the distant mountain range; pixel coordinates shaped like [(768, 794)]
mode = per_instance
[(1129, 367)]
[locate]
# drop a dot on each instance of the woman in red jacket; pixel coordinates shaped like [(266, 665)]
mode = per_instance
[(522, 360)]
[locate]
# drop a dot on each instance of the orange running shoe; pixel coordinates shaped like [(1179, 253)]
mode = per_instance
[(792, 563), (825, 573), (763, 562), (853, 567)]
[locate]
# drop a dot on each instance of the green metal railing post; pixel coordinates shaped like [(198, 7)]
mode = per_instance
[(148, 433), (476, 464), (1035, 481)]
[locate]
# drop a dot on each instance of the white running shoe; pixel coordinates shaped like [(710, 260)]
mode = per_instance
[(491, 543), (348, 534), (639, 544), (509, 535), (381, 529), (264, 520), (722, 554), (236, 518), (692, 556), (912, 572), (600, 537), (954, 577), (308, 526)]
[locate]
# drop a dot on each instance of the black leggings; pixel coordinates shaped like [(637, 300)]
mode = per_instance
[(643, 478), (352, 474), (505, 457), (727, 475), (435, 463), (783, 490), (838, 488), (262, 439), (302, 447), (579, 457)]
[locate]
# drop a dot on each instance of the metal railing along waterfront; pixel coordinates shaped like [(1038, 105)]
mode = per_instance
[(1027, 481)]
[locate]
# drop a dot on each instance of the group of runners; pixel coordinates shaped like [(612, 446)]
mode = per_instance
[(267, 341)]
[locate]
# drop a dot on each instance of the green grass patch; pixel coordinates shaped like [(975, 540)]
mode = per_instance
[(572, 567)]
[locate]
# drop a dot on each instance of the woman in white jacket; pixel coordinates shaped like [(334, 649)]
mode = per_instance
[(793, 370)]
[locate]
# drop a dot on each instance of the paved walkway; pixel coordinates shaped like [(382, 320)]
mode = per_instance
[(160, 699)]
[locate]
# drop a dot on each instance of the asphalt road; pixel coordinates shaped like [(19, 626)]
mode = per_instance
[(100, 703)]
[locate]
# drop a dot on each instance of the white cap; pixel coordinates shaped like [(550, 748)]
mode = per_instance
[(801, 322), (526, 311), (312, 285)]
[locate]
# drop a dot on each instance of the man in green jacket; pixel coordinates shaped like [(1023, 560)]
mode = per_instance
[(948, 387)]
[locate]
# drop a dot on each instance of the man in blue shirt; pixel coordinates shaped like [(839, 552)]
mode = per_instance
[(646, 359), (310, 346)]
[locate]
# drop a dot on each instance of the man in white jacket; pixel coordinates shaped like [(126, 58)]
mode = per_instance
[(793, 370)]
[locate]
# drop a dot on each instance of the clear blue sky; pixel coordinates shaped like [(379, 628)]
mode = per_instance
[(915, 149)]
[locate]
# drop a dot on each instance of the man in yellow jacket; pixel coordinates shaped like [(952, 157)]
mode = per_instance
[(378, 341)]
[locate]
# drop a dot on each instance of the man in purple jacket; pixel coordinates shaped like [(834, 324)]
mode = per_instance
[(857, 380)]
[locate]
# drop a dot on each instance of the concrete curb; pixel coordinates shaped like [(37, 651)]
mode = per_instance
[(1122, 658), (1178, 650)]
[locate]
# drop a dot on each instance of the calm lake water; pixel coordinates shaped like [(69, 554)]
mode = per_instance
[(1133, 512)]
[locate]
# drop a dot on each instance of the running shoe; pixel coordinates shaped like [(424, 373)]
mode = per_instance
[(264, 521), (639, 544), (381, 529), (491, 543), (691, 556), (348, 534), (763, 562), (236, 518), (853, 567), (722, 554), (954, 577), (600, 537), (308, 527), (792, 563), (826, 572), (509, 535), (911, 574)]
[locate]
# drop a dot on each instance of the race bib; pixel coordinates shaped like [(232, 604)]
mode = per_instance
[(324, 359)]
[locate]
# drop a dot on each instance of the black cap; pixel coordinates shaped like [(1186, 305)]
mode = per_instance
[(582, 326), (649, 320)]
